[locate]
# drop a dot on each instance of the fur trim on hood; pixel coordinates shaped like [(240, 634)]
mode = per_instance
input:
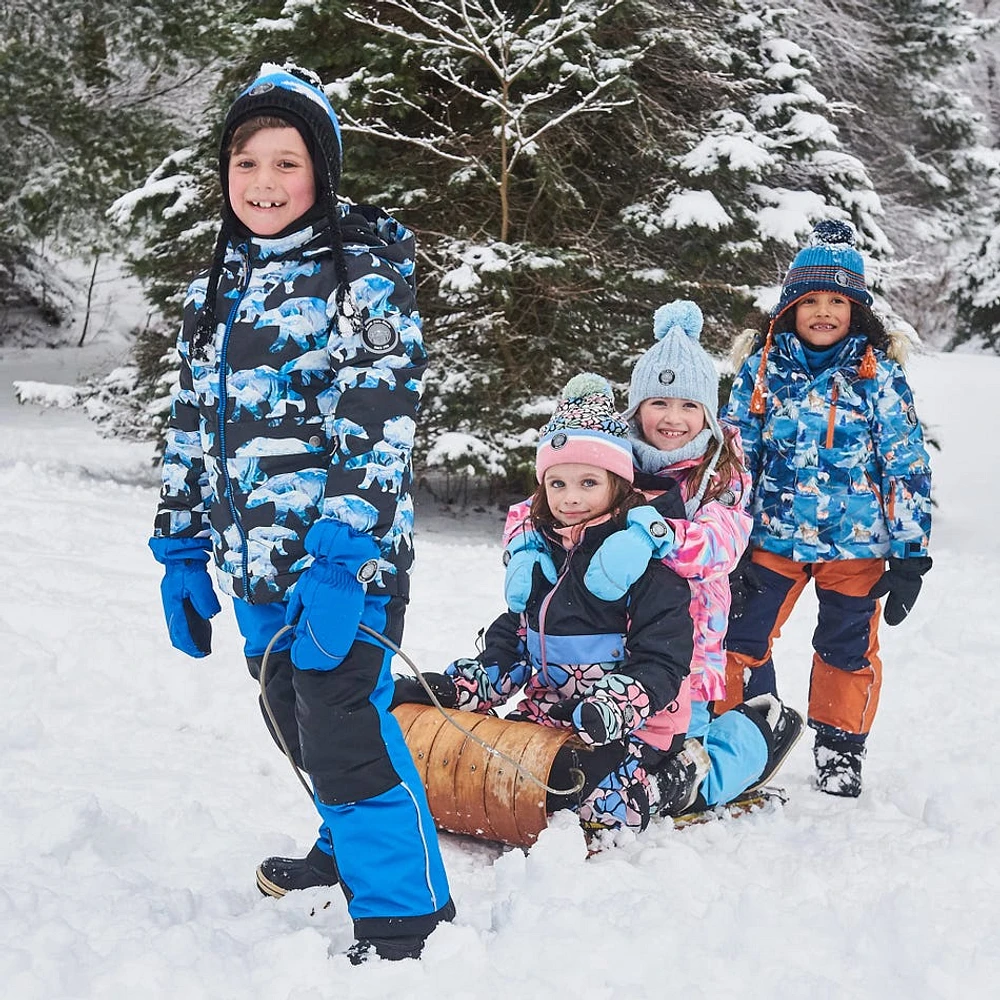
[(743, 346)]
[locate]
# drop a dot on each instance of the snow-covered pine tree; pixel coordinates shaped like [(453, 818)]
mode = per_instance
[(509, 136), (907, 68), (767, 164), (92, 96)]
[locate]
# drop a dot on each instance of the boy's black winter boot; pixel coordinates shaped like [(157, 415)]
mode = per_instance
[(390, 949), (395, 949), (782, 728), (838, 764), (276, 876), (680, 779)]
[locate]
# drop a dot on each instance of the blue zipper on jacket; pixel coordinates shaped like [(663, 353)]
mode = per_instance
[(221, 412)]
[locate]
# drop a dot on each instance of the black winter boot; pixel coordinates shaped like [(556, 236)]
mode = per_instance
[(276, 876), (838, 765), (390, 949), (783, 728), (680, 778)]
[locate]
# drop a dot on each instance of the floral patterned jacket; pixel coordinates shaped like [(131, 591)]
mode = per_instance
[(634, 653), (706, 549)]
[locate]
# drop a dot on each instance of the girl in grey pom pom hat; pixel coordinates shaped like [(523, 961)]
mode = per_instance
[(676, 436), (679, 446)]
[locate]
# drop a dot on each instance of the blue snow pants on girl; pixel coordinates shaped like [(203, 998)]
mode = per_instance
[(338, 728), (737, 751)]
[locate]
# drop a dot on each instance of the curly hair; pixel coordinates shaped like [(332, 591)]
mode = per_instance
[(863, 320)]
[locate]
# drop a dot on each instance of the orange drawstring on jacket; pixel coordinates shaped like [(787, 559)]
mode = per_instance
[(867, 368)]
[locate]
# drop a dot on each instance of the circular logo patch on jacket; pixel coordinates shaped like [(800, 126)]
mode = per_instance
[(379, 336), (367, 571)]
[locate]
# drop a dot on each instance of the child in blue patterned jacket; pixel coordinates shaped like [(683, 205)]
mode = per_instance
[(841, 495), (288, 455)]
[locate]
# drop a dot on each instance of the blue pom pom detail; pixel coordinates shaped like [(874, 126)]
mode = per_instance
[(680, 313), (832, 232)]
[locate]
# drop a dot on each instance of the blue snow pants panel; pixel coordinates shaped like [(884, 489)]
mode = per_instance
[(259, 623), (376, 822), (736, 748), (389, 862)]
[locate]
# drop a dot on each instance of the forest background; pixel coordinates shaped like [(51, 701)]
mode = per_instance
[(567, 165)]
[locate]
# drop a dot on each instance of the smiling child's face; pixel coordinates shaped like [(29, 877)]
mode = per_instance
[(823, 318), (577, 492), (670, 423), (271, 180)]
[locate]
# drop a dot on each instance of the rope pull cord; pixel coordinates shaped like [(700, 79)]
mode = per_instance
[(579, 777)]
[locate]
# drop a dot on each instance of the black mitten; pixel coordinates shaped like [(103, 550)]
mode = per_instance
[(410, 690), (562, 711), (901, 581), (744, 582)]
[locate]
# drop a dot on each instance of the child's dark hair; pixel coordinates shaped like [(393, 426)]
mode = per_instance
[(246, 130), (624, 496), (863, 320)]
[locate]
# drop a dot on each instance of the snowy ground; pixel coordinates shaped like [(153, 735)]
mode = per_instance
[(140, 788)]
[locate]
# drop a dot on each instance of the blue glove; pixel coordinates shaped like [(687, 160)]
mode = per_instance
[(525, 551), (186, 591), (327, 602), (624, 556)]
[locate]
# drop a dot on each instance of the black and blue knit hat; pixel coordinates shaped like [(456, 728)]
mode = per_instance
[(294, 95), (830, 262)]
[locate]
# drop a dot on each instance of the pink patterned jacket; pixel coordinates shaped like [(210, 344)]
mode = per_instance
[(707, 549)]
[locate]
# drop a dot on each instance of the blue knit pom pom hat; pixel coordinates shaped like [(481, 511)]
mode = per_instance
[(829, 262), (676, 367), (586, 428)]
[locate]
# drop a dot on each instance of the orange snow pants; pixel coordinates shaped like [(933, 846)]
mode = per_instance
[(846, 669)]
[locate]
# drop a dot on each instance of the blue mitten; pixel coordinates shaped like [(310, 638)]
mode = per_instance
[(327, 602), (525, 551), (189, 600), (624, 556)]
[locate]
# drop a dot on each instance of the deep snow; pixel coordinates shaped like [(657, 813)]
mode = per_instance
[(140, 788)]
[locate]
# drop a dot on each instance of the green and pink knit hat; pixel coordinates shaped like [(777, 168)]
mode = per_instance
[(586, 429)]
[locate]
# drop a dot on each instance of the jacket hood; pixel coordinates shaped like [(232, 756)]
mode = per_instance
[(748, 342)]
